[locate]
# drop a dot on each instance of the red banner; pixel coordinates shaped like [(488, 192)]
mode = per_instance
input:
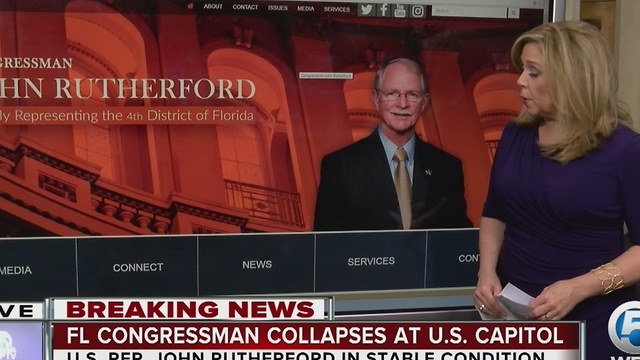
[(317, 335)]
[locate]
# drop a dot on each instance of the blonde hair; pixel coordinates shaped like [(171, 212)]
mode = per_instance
[(582, 82)]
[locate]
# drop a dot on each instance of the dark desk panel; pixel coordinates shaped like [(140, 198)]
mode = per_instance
[(137, 266), (33, 269), (236, 264), (452, 258), (370, 261), (256, 264)]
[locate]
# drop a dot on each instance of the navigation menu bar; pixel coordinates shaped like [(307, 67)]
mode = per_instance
[(351, 9), (275, 7), (384, 10)]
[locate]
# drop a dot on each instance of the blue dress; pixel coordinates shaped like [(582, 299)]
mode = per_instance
[(564, 220)]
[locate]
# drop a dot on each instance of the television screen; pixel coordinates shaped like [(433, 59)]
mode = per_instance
[(200, 117), (175, 147)]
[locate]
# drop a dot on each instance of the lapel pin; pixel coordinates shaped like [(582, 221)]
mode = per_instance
[(428, 172)]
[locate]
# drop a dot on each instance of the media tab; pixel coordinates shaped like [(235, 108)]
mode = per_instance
[(306, 8), (28, 271)]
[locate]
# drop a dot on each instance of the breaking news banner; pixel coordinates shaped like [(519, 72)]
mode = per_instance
[(316, 341), (190, 309)]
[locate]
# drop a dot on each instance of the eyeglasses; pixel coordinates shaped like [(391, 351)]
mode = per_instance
[(394, 95)]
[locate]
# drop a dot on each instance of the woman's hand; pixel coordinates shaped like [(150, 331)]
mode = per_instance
[(485, 295), (556, 300)]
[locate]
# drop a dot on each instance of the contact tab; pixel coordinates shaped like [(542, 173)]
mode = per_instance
[(452, 258)]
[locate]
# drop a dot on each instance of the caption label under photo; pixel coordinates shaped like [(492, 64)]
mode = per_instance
[(325, 75)]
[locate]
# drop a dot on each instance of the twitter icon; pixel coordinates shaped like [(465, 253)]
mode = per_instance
[(366, 10)]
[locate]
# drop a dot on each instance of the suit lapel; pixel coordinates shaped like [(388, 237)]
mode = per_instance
[(422, 173)]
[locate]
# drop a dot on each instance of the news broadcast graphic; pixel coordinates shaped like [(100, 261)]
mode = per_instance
[(316, 341), (21, 340), (273, 308), (21, 311), (624, 328)]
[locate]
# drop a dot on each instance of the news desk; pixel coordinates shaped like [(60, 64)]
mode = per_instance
[(418, 274)]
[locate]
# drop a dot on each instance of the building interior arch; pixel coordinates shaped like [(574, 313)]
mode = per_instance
[(94, 33), (497, 99)]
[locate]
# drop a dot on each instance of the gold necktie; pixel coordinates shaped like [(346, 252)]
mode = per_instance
[(403, 187)]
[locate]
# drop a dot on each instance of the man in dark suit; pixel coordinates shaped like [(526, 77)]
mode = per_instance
[(358, 183)]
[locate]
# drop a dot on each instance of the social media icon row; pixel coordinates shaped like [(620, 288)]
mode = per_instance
[(392, 10)]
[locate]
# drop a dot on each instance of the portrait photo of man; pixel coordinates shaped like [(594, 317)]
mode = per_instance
[(392, 179)]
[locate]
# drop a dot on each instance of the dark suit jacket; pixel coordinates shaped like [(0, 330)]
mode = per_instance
[(357, 191)]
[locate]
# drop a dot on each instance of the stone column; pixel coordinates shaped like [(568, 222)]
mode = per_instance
[(323, 104), (42, 34), (195, 156), (458, 125)]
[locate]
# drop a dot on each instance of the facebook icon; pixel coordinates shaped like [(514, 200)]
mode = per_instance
[(383, 10)]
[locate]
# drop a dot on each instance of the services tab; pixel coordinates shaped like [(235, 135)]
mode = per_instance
[(339, 9)]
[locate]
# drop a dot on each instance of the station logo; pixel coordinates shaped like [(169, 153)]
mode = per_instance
[(7, 350), (624, 327)]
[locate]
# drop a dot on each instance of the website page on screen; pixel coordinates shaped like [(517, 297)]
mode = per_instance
[(202, 117)]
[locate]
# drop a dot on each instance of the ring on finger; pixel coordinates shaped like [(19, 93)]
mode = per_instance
[(546, 316), (481, 307)]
